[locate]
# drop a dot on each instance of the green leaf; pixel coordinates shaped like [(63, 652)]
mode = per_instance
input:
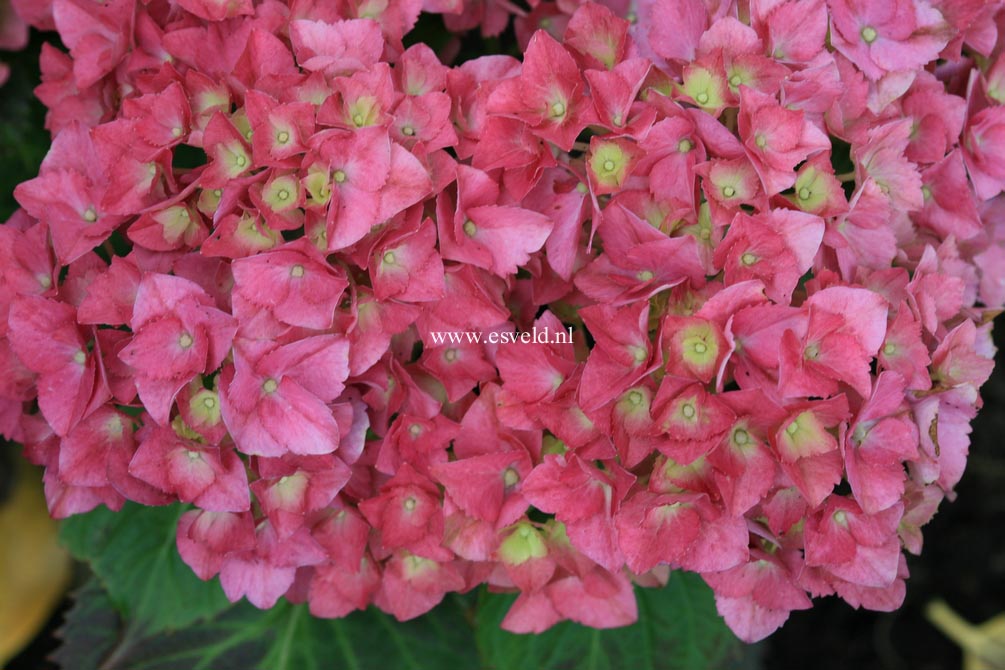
[(133, 553), (286, 637), (89, 630), (678, 629)]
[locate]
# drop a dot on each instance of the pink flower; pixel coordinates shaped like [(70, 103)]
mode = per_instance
[(177, 334), (685, 531), (336, 48), (890, 36), (412, 585), (485, 234), (293, 487), (755, 598), (776, 139), (45, 337), (546, 94), (211, 477), (274, 398), (983, 137), (621, 355), (776, 247), (293, 283), (585, 499), (69, 195)]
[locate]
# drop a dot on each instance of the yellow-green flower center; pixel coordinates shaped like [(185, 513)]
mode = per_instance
[(510, 477)]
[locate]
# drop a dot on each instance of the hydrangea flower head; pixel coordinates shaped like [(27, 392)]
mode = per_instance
[(280, 268)]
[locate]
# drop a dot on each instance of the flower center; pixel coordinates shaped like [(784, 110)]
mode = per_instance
[(389, 257), (684, 146), (240, 161), (741, 437), (90, 215), (297, 271), (510, 477), (558, 109), (735, 80), (608, 165), (700, 348), (450, 355), (748, 258), (270, 385), (470, 228), (688, 411), (283, 137), (702, 98), (728, 191), (185, 341), (283, 194), (408, 130), (869, 34), (645, 275), (339, 176), (79, 358), (805, 193), (409, 504)]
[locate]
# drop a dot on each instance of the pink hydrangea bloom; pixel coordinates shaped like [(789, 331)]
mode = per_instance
[(769, 239)]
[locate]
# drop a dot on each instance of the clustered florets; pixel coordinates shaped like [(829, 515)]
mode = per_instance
[(224, 283)]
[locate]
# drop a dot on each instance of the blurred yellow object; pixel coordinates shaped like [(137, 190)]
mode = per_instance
[(34, 568), (983, 645)]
